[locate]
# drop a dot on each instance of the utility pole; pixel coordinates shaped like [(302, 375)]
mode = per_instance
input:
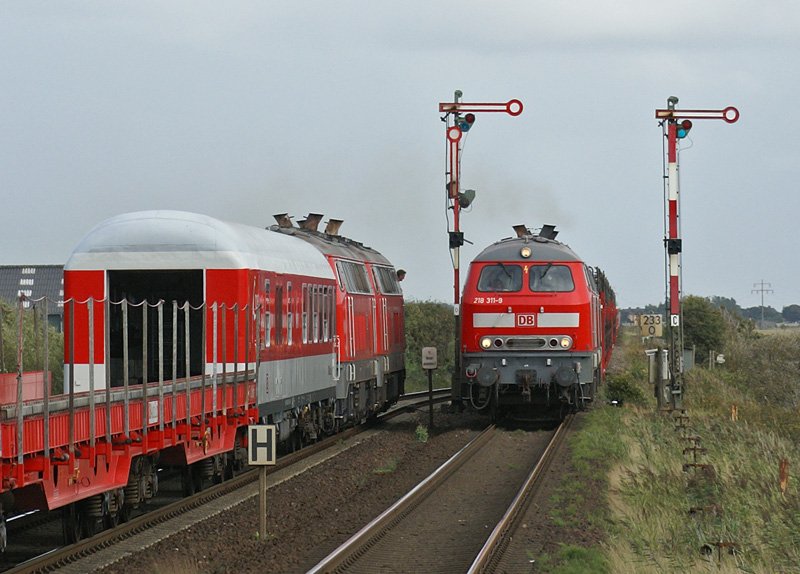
[(456, 125), (675, 125), (762, 288)]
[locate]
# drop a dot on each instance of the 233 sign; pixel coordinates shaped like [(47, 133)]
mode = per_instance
[(651, 325)]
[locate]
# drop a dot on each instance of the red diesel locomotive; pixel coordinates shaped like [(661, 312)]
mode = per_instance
[(537, 328), (180, 331)]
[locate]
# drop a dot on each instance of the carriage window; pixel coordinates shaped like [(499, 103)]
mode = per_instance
[(267, 317), (304, 312), (327, 297), (551, 278), (289, 315), (500, 278), (316, 298), (278, 315)]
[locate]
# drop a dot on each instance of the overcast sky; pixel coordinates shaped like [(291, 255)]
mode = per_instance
[(245, 109)]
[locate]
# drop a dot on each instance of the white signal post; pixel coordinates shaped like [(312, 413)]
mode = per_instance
[(453, 132), (676, 124)]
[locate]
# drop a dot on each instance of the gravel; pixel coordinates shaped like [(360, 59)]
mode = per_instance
[(314, 512)]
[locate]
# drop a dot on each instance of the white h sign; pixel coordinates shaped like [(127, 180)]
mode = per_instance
[(262, 443)]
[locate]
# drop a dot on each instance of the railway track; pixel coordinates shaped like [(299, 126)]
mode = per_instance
[(447, 518), (78, 557), (504, 551)]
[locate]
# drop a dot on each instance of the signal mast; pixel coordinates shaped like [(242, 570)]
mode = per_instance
[(459, 117), (676, 125)]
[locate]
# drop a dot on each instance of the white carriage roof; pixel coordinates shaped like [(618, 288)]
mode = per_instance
[(182, 240)]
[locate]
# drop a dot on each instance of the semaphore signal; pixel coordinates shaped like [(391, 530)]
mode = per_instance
[(676, 125)]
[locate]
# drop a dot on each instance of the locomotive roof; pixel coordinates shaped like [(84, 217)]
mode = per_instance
[(182, 240), (542, 249), (335, 245)]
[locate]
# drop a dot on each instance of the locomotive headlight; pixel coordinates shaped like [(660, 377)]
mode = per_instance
[(486, 343), (525, 252), (565, 342)]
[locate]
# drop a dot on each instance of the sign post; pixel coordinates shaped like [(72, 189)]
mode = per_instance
[(429, 364), (650, 325), (261, 452)]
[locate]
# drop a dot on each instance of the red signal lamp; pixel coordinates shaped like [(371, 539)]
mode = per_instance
[(683, 128), (464, 123)]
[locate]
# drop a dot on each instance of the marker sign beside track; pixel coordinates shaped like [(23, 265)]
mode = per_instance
[(650, 325), (261, 450)]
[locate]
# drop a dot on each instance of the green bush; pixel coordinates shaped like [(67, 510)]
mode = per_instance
[(623, 388), (429, 324), (703, 326)]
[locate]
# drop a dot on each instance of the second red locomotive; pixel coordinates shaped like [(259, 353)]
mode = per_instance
[(537, 326)]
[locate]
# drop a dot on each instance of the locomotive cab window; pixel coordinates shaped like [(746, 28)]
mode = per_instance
[(590, 279), (353, 277), (551, 278), (500, 277), (386, 280)]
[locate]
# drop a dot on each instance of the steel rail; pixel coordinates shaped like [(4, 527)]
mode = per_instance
[(339, 559), (498, 539)]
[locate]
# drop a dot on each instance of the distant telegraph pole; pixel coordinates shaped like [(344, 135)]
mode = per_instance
[(762, 288), (676, 125)]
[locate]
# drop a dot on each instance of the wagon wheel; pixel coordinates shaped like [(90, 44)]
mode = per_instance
[(229, 468), (187, 481), (3, 533), (124, 513), (71, 524), (197, 477), (111, 520), (90, 524)]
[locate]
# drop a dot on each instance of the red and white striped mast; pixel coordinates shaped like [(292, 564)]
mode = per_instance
[(456, 200), (676, 125)]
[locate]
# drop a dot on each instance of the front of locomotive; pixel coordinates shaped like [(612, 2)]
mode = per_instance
[(529, 327)]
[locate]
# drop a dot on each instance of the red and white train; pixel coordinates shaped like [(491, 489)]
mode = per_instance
[(537, 328), (180, 330)]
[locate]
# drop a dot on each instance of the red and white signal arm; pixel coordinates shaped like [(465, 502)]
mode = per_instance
[(262, 441), (526, 319)]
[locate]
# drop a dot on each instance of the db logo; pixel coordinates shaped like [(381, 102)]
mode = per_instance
[(526, 320)]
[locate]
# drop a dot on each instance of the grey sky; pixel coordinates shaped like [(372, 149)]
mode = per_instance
[(244, 109)]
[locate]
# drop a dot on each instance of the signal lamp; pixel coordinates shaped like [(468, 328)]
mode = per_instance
[(565, 342), (466, 198), (486, 343), (465, 122), (525, 252), (683, 128)]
